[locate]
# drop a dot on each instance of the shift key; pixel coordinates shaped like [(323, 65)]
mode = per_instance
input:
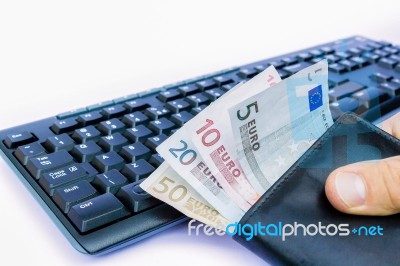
[(38, 165), (97, 212)]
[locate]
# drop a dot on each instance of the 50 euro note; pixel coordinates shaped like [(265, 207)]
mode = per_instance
[(211, 133), (275, 127), (167, 185)]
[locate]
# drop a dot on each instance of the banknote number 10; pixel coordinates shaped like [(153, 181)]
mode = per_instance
[(187, 156), (248, 111), (211, 136)]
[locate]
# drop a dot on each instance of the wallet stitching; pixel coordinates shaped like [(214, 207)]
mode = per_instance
[(321, 141)]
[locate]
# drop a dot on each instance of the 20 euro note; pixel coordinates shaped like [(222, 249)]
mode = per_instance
[(211, 134), (165, 184), (275, 127)]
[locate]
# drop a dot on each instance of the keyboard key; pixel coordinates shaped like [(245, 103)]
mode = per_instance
[(38, 165), (178, 106), (111, 126), (354, 51), (315, 53), (327, 50), (344, 90), (206, 84), (336, 80), (110, 182), (387, 63), (153, 142), (277, 64), (196, 110), (365, 48), (304, 56), (135, 152), (397, 69), (332, 58), (86, 152), (137, 170), (246, 73), (374, 45), (161, 126), (156, 112), (343, 55), (222, 80), (381, 53), (134, 119), (348, 64), (262, 67), (391, 88), (60, 142), (65, 125), (138, 134), (296, 67), (228, 87), (188, 90), (156, 160), (136, 105), (347, 104), (24, 153), (15, 140), (99, 105), (379, 77), (136, 199), (61, 177), (86, 134), (113, 111), (90, 118), (169, 95), (361, 62), (289, 60), (113, 142), (108, 161), (371, 97), (214, 94), (73, 194), (390, 50), (197, 99), (371, 57), (96, 212), (395, 58), (181, 118)]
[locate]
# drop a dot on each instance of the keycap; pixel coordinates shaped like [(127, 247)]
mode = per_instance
[(197, 99), (361, 62), (261, 67), (198, 109), (246, 73), (347, 104), (397, 68), (214, 94), (395, 58), (36, 166), (96, 212), (156, 112), (354, 51), (169, 95), (156, 160), (108, 161), (89, 118), (381, 53), (371, 57), (337, 80), (135, 198), (379, 77), (390, 50), (153, 142), (138, 133), (113, 111), (371, 96), (125, 98), (181, 118), (315, 52), (343, 55), (99, 105), (85, 134), (188, 90), (135, 151), (65, 125), (344, 90), (24, 153), (70, 113), (304, 56), (391, 88), (387, 63), (332, 58), (296, 67), (110, 182), (111, 126), (86, 152), (60, 142), (283, 74), (61, 177), (73, 194), (327, 50), (18, 139), (228, 87), (137, 170), (136, 105), (206, 84), (289, 60), (161, 126), (374, 45), (134, 119), (365, 48), (348, 64), (113, 142), (178, 105), (222, 80)]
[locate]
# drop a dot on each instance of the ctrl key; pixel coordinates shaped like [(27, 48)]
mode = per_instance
[(97, 212)]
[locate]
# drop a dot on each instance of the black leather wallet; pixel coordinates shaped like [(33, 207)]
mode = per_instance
[(299, 197)]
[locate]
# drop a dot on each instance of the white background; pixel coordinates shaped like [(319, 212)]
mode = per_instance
[(60, 55)]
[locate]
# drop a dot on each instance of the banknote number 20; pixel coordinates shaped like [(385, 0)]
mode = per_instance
[(248, 111), (187, 156)]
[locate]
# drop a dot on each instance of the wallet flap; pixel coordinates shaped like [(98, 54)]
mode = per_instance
[(299, 197)]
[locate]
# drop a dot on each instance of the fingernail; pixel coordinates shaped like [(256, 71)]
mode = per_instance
[(350, 188)]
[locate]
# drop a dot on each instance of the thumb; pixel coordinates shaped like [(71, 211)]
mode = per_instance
[(366, 188)]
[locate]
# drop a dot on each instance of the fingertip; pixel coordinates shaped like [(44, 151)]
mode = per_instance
[(332, 193)]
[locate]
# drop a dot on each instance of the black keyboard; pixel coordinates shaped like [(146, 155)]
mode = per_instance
[(85, 166)]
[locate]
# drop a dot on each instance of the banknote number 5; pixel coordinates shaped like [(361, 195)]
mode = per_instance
[(177, 193), (248, 111), (187, 156)]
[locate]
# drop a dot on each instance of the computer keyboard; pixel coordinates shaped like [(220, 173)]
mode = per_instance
[(85, 166)]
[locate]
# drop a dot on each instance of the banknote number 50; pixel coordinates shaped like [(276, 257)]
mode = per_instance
[(187, 156), (177, 193), (248, 111)]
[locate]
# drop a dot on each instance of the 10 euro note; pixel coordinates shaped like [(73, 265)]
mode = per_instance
[(275, 127), (167, 185)]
